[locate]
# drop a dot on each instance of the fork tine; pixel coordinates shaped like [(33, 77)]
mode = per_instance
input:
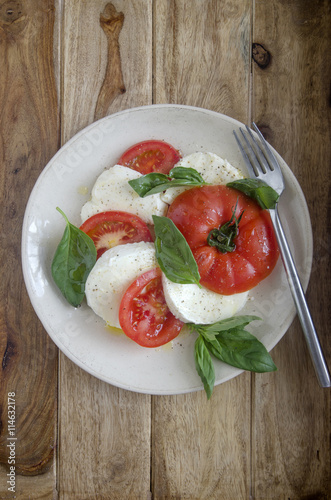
[(258, 165), (271, 157), (259, 155), (251, 168)]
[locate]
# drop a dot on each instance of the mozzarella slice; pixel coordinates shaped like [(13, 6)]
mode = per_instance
[(192, 304), (112, 274), (213, 169), (113, 192)]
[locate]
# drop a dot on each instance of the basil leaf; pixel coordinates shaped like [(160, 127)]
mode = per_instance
[(186, 173), (150, 184), (257, 189), (241, 349), (155, 182), (211, 331), (229, 342), (204, 365), (173, 254), (73, 260)]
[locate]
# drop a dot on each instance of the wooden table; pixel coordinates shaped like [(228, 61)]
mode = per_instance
[(65, 64)]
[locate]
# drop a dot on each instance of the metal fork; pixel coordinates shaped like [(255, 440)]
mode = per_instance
[(262, 163)]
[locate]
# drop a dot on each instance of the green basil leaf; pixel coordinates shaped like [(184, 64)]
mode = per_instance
[(257, 189), (186, 173), (173, 254), (73, 260), (204, 365), (241, 349), (211, 331), (155, 182), (150, 184)]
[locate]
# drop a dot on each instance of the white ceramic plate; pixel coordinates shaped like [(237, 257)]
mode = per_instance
[(66, 182)]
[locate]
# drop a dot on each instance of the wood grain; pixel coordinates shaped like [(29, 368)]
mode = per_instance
[(213, 74), (29, 137), (85, 59), (104, 431), (291, 451), (111, 22), (201, 450), (104, 438)]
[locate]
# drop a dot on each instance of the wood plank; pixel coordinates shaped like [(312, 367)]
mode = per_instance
[(29, 138), (215, 74), (111, 22), (85, 53), (104, 438), (104, 431), (201, 450), (291, 454)]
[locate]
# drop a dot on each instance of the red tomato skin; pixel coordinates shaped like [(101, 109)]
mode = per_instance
[(197, 211), (108, 229), (150, 156), (144, 315)]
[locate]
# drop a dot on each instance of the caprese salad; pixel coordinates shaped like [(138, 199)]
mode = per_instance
[(167, 240)]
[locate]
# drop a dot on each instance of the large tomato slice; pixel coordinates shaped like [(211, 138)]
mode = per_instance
[(144, 315), (108, 229), (150, 156), (198, 211)]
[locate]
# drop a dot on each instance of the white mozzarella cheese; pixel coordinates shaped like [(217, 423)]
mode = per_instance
[(213, 169), (192, 304), (112, 274), (113, 192)]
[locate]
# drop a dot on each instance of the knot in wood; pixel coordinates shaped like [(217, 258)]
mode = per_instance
[(111, 21), (260, 55), (10, 11), (12, 16), (10, 352)]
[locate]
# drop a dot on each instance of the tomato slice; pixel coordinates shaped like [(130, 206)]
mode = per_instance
[(108, 229), (200, 210), (150, 156), (144, 315)]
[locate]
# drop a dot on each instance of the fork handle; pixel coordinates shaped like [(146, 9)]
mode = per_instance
[(301, 304)]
